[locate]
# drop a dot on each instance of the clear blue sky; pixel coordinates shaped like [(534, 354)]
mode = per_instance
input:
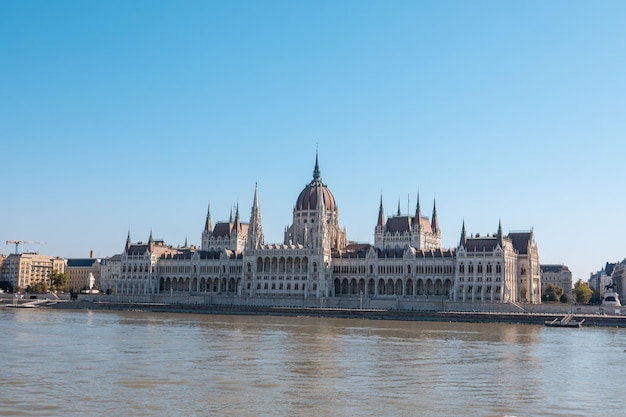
[(118, 116)]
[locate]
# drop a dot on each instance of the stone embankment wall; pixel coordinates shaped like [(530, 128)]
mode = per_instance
[(372, 314), (430, 304)]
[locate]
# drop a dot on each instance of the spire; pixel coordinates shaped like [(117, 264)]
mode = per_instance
[(418, 213), (463, 235), (255, 230), (320, 231), (150, 242), (255, 200), (316, 171), (186, 242), (434, 224), (500, 237), (319, 201), (237, 225), (230, 219), (399, 207), (127, 242), (381, 214), (207, 224)]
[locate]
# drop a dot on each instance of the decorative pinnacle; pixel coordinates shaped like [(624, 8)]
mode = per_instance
[(316, 171)]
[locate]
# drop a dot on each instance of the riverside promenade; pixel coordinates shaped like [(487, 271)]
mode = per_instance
[(418, 310), (352, 313)]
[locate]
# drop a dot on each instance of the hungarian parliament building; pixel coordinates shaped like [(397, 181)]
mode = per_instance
[(317, 265)]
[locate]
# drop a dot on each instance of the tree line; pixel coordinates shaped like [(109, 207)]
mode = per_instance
[(582, 294), (57, 282)]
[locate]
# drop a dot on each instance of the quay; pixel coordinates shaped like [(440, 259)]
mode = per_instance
[(353, 313)]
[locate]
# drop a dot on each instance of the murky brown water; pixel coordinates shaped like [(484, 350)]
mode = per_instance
[(146, 364)]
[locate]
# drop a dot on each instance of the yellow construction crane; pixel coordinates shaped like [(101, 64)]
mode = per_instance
[(17, 244)]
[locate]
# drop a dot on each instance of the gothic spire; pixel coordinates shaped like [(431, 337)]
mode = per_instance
[(500, 237), (381, 214), (434, 224), (463, 235), (255, 200), (418, 213), (399, 207), (150, 242), (316, 171), (237, 225), (207, 224), (321, 206), (255, 230), (127, 242)]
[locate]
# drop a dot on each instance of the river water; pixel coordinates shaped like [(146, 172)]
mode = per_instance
[(56, 362)]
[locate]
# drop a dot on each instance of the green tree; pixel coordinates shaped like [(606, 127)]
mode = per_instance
[(582, 292), (552, 293), (59, 281), (42, 287), (37, 287), (596, 298)]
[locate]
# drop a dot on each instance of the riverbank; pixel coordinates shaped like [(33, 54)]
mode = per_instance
[(367, 314)]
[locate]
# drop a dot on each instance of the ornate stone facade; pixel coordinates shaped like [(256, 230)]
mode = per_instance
[(316, 261)]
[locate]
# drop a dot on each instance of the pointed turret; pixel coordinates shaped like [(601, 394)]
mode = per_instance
[(316, 229), (500, 236), (186, 242), (207, 224), (399, 214), (255, 230), (418, 213), (320, 231), (434, 224), (208, 230), (255, 200), (127, 247), (237, 225), (150, 242), (463, 240), (316, 171), (381, 214)]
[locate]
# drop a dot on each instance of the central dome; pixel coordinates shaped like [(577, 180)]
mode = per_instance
[(307, 200)]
